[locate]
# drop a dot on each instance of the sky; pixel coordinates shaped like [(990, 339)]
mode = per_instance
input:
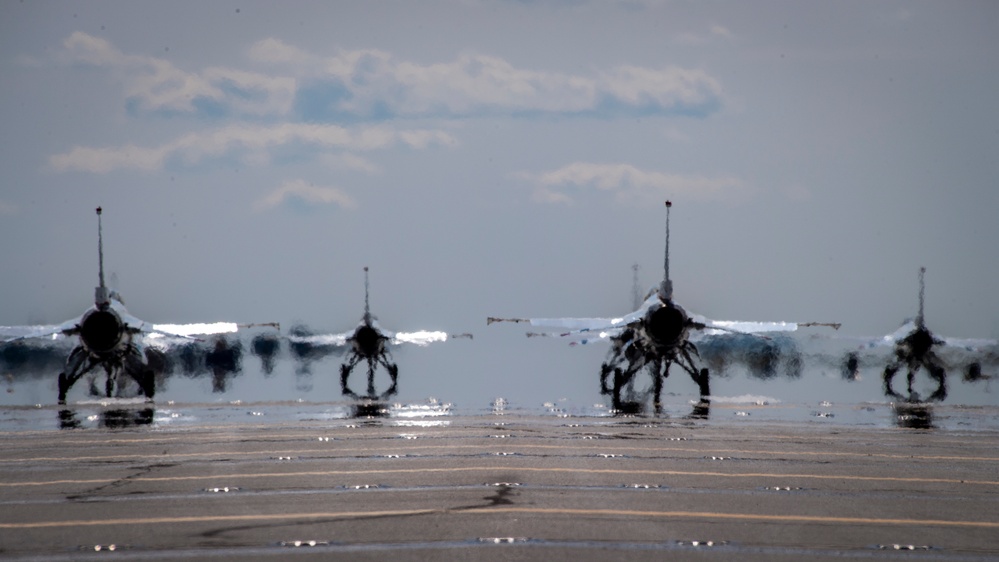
[(501, 158)]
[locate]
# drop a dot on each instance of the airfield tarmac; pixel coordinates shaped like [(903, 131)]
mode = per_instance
[(126, 480)]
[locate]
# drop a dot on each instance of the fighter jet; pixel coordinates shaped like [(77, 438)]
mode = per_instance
[(111, 338), (367, 342), (659, 334), (914, 347)]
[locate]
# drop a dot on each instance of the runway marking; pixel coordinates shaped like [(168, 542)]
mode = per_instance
[(645, 472), (385, 433), (215, 518), (821, 519), (740, 516), (594, 446)]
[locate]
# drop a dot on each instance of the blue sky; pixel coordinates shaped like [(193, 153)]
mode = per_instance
[(502, 158)]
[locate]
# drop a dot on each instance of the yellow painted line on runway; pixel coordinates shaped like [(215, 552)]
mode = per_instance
[(397, 447), (740, 516), (216, 518), (750, 517), (554, 470)]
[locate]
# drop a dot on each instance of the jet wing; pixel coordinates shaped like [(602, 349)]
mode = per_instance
[(970, 344), (333, 340), (185, 331), (15, 333), (721, 327), (587, 330), (885, 344), (46, 331), (420, 337), (712, 329), (310, 347), (149, 330), (851, 356), (582, 329)]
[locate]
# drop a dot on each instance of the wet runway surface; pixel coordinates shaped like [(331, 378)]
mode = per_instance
[(243, 481)]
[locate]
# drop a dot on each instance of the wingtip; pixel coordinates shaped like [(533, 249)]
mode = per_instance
[(491, 319), (833, 325)]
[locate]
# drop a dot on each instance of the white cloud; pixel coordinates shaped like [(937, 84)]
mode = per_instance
[(629, 183), (549, 196), (243, 140), (156, 84), (423, 138), (480, 84), (81, 47), (477, 83), (253, 93), (275, 51), (673, 87), (348, 161), (374, 84), (104, 160), (304, 191)]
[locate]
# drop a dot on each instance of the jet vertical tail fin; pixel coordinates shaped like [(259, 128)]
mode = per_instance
[(101, 295), (920, 323), (367, 308), (636, 290), (666, 288)]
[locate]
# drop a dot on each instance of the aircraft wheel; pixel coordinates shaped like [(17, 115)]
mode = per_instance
[(704, 383), (63, 387), (148, 384)]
